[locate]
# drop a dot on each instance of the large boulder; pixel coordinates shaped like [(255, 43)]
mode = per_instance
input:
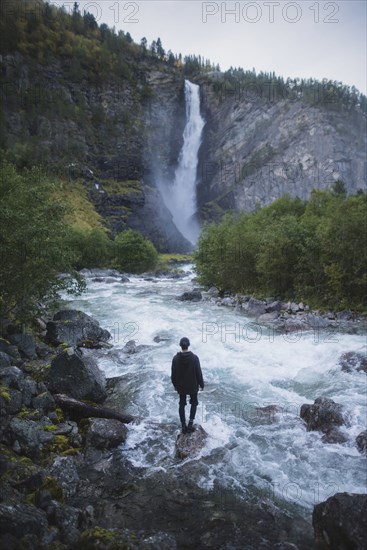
[(77, 376), (353, 361), (191, 296), (324, 415), (25, 343), (190, 444), (106, 433), (340, 522), (73, 327)]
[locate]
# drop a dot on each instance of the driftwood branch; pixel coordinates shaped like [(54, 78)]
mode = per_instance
[(84, 410)]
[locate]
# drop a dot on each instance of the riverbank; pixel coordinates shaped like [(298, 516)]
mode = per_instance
[(290, 317)]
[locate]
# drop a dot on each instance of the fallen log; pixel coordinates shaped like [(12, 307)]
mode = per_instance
[(85, 410)]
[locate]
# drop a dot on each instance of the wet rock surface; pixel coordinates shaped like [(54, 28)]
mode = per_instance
[(123, 498), (324, 415), (190, 444), (352, 361), (361, 442), (106, 433), (340, 522), (190, 296)]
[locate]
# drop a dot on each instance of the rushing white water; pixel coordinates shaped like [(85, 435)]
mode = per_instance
[(180, 198), (245, 366)]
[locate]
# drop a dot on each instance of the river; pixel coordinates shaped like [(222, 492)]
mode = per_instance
[(245, 366)]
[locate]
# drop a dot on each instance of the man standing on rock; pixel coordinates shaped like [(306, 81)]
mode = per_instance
[(186, 377)]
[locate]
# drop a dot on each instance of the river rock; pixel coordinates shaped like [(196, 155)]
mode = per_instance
[(318, 323), (68, 520), (323, 415), (5, 360), (361, 442), (340, 523), (22, 519), (10, 402), (345, 315), (276, 305), (255, 307), (190, 444), (77, 376), (30, 435), (64, 471), (105, 433), (163, 336), (10, 350), (25, 343), (131, 347), (334, 436), (353, 361), (191, 296), (268, 317), (72, 326)]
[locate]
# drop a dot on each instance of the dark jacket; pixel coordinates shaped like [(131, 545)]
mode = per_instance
[(186, 373)]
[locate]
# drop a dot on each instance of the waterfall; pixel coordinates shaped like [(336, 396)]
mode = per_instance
[(180, 198)]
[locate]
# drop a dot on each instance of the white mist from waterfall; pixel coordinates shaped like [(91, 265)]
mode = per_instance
[(180, 198)]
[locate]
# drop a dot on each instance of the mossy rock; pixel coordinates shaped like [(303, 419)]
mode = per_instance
[(104, 539)]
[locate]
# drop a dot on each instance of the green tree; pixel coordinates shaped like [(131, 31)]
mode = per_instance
[(133, 253), (91, 248), (32, 242)]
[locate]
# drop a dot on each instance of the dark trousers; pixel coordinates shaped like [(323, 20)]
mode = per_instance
[(193, 402)]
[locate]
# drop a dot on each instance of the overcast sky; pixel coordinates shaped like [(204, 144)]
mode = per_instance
[(319, 39)]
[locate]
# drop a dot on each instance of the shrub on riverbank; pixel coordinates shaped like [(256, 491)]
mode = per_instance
[(133, 253), (314, 250)]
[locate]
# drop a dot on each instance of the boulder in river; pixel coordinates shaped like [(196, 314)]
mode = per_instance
[(106, 433), (190, 444), (361, 442), (353, 361), (77, 376), (323, 415), (340, 522), (71, 327), (191, 296), (334, 436)]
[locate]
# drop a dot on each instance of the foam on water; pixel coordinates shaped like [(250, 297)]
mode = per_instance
[(245, 367)]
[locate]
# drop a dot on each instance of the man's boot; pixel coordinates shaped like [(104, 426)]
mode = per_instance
[(184, 427), (190, 428)]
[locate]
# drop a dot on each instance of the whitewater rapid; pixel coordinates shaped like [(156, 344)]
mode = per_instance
[(245, 366)]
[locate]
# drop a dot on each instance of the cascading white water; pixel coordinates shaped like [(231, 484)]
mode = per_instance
[(180, 198)]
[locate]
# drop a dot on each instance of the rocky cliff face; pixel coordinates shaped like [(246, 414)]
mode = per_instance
[(118, 137), (255, 150)]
